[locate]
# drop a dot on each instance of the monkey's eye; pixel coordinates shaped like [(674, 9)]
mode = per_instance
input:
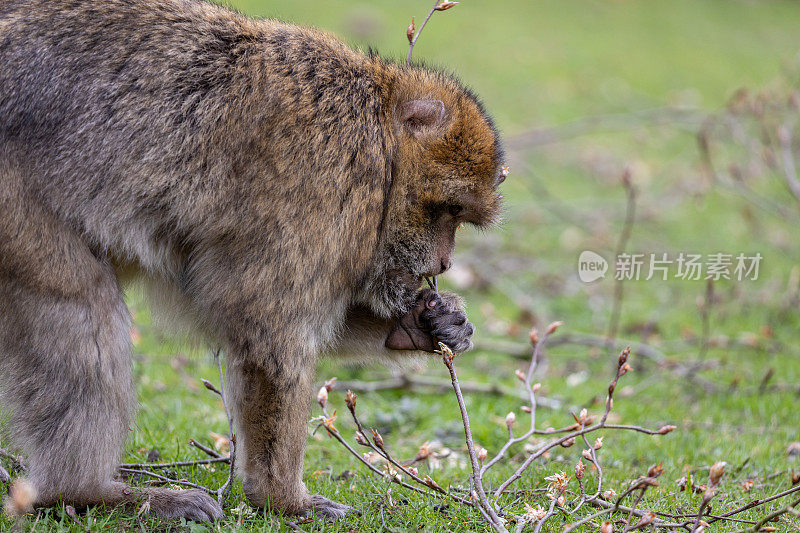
[(455, 210)]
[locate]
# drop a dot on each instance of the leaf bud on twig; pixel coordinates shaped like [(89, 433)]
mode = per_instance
[(210, 386), (481, 453), (655, 470), (553, 327), (716, 472), (322, 397), (623, 356), (580, 468), (647, 519), (377, 438), (350, 401), (410, 31), (431, 483), (510, 419), (424, 452), (444, 6), (534, 336)]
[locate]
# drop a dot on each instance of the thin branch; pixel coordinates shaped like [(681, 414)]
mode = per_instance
[(332, 431), (176, 464), (166, 479), (413, 40), (627, 228), (225, 489), (785, 138), (538, 346), (705, 314), (791, 508), (494, 520), (205, 449)]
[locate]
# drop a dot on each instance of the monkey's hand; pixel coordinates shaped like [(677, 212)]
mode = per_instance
[(435, 318)]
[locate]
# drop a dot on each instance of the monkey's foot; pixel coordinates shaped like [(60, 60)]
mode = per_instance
[(193, 504), (322, 506)]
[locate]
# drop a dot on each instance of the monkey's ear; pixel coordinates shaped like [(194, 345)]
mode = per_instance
[(422, 117)]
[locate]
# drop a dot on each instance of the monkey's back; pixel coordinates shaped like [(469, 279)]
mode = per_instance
[(142, 122)]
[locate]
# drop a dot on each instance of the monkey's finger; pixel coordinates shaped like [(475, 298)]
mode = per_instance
[(458, 318), (431, 298)]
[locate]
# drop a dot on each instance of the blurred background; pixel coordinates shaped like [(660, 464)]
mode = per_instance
[(698, 101)]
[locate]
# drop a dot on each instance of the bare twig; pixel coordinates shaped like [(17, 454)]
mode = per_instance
[(205, 449), (785, 138), (627, 228), (705, 314), (225, 489), (791, 508), (176, 464), (166, 479)]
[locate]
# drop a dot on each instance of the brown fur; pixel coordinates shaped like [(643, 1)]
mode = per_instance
[(282, 192)]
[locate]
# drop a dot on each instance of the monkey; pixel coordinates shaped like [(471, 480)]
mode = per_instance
[(281, 192)]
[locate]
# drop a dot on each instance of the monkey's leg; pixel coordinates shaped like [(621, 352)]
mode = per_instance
[(271, 412), (65, 366)]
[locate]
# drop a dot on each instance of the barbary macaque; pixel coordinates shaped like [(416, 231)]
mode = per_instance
[(281, 192)]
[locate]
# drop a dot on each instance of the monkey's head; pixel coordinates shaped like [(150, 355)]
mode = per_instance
[(446, 168)]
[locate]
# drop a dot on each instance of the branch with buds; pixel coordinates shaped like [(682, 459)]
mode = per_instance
[(413, 34), (487, 501), (222, 492)]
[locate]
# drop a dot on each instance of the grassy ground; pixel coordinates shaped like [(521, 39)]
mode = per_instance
[(538, 64)]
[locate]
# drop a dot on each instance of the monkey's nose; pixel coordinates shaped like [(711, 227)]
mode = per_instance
[(445, 265)]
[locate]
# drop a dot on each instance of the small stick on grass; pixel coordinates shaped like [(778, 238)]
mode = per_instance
[(205, 449), (176, 464), (166, 479)]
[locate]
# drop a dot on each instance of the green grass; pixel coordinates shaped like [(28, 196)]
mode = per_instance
[(536, 64)]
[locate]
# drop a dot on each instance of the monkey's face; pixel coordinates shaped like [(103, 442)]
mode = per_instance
[(446, 172)]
